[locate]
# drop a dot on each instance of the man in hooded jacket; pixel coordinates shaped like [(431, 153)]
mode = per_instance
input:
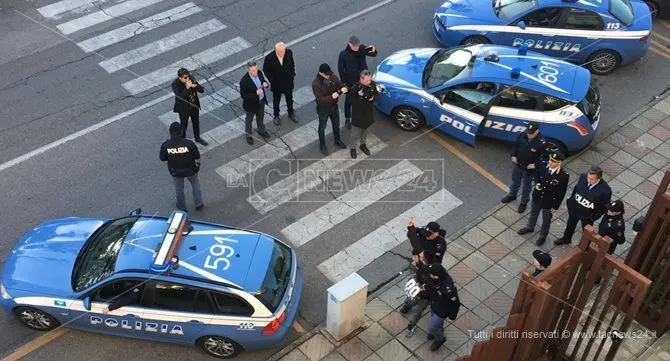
[(350, 64)]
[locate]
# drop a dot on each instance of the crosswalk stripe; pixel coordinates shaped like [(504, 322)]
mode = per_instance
[(128, 31), (163, 45), (208, 103), (308, 178), (106, 14), (194, 61), (363, 195), (53, 11), (385, 238)]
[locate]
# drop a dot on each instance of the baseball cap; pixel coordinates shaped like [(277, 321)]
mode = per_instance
[(616, 206), (557, 156), (353, 40), (532, 127), (543, 258), (433, 227), (325, 68)]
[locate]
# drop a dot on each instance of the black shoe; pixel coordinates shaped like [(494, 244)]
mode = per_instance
[(250, 140), (324, 150), (436, 344), (340, 144), (200, 207), (354, 155), (522, 208), (202, 141), (507, 199), (430, 336), (265, 134), (293, 117), (524, 230), (404, 309), (540, 241), (347, 123), (365, 149), (561, 241)]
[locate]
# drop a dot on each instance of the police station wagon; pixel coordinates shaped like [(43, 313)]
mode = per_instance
[(490, 91), (600, 34), (220, 288)]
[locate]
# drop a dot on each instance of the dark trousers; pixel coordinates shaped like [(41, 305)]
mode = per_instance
[(179, 191), (417, 305), (347, 106), (535, 209), (276, 99), (334, 115), (521, 178), (194, 114), (259, 114), (572, 224)]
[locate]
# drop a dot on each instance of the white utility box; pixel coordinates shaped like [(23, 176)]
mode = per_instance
[(346, 306)]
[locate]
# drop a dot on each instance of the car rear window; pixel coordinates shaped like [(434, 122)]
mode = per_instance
[(622, 10), (511, 9), (277, 277)]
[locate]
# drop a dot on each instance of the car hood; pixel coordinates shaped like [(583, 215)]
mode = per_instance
[(404, 68), (42, 260), (466, 12)]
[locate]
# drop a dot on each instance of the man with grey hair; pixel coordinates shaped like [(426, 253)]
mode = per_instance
[(350, 64), (252, 92), (279, 68)]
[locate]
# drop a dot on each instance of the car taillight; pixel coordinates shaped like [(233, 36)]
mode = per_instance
[(580, 128), (645, 38), (274, 325)]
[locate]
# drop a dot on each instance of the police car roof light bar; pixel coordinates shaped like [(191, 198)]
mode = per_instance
[(170, 244), (516, 72)]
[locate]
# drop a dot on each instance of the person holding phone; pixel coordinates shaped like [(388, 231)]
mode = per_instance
[(351, 62), (187, 102)]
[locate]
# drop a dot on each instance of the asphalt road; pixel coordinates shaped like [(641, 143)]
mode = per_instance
[(54, 89)]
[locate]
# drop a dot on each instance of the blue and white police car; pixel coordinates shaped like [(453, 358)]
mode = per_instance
[(601, 34), (223, 289), (490, 91)]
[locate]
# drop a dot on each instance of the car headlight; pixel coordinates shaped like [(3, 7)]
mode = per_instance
[(3, 292)]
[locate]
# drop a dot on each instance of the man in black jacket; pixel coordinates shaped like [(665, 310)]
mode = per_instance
[(613, 225), (420, 301), (187, 102), (444, 303), (252, 91), (587, 203), (279, 67), (350, 64), (363, 95), (526, 156), (551, 184), (183, 161), (327, 89), (429, 239)]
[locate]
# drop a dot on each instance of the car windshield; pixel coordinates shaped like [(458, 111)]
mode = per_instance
[(511, 9), (277, 277), (446, 65), (622, 10), (97, 258)]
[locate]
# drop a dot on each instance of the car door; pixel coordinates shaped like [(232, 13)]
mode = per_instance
[(459, 110), (536, 29), (577, 30), (233, 319), (511, 111)]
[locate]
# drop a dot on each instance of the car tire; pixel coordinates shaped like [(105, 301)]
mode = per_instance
[(556, 145), (36, 319), (219, 346), (653, 7), (408, 118), (475, 40), (603, 62)]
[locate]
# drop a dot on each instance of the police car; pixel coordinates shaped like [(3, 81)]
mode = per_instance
[(601, 34), (491, 91), (220, 288)]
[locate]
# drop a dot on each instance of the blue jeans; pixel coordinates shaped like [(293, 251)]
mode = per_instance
[(535, 209), (521, 178), (179, 191), (436, 327)]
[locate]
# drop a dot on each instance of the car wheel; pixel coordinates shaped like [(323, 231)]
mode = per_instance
[(475, 40), (653, 7), (408, 118), (554, 145), (219, 347), (603, 62), (36, 319)]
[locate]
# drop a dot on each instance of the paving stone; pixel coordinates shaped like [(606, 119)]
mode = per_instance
[(394, 323), (629, 178), (460, 248), (637, 199), (374, 357), (558, 226), (630, 211), (592, 157), (510, 287), (497, 276), (295, 355), (355, 350), (510, 239), (659, 111), (492, 226), (655, 159), (494, 250), (507, 215), (664, 148), (642, 123), (486, 314), (476, 237), (451, 357), (526, 251), (631, 132), (605, 148), (334, 356), (666, 122), (462, 274), (657, 177), (480, 288), (467, 299), (648, 189), (415, 341), (316, 347), (393, 297), (660, 132), (643, 169), (375, 336), (425, 354), (560, 251), (611, 167), (448, 260), (624, 158), (649, 141), (513, 263), (619, 189), (394, 351), (377, 309), (637, 148), (478, 262), (618, 140), (469, 323), (577, 165), (499, 302), (455, 337)]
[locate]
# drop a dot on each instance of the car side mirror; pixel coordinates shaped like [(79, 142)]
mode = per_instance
[(87, 303), (135, 212), (521, 25)]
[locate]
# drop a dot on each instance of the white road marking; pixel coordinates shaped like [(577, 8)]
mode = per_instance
[(128, 31), (308, 178), (385, 238), (47, 147), (161, 46), (193, 62), (350, 203), (106, 14), (55, 10)]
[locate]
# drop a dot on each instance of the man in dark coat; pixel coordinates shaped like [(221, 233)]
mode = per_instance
[(444, 303), (613, 225), (187, 102), (529, 148), (350, 64), (183, 161), (551, 184), (363, 95), (587, 203), (279, 67), (430, 238), (327, 89), (252, 91)]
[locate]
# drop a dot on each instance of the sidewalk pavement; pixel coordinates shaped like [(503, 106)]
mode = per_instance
[(486, 257)]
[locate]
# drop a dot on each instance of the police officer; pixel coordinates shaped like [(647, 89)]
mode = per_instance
[(587, 203), (541, 261), (183, 161), (613, 225), (429, 238), (528, 151), (551, 184), (444, 303)]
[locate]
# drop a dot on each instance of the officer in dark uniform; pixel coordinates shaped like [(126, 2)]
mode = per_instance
[(587, 203), (430, 238), (183, 161), (444, 303), (613, 225), (526, 156), (551, 184)]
